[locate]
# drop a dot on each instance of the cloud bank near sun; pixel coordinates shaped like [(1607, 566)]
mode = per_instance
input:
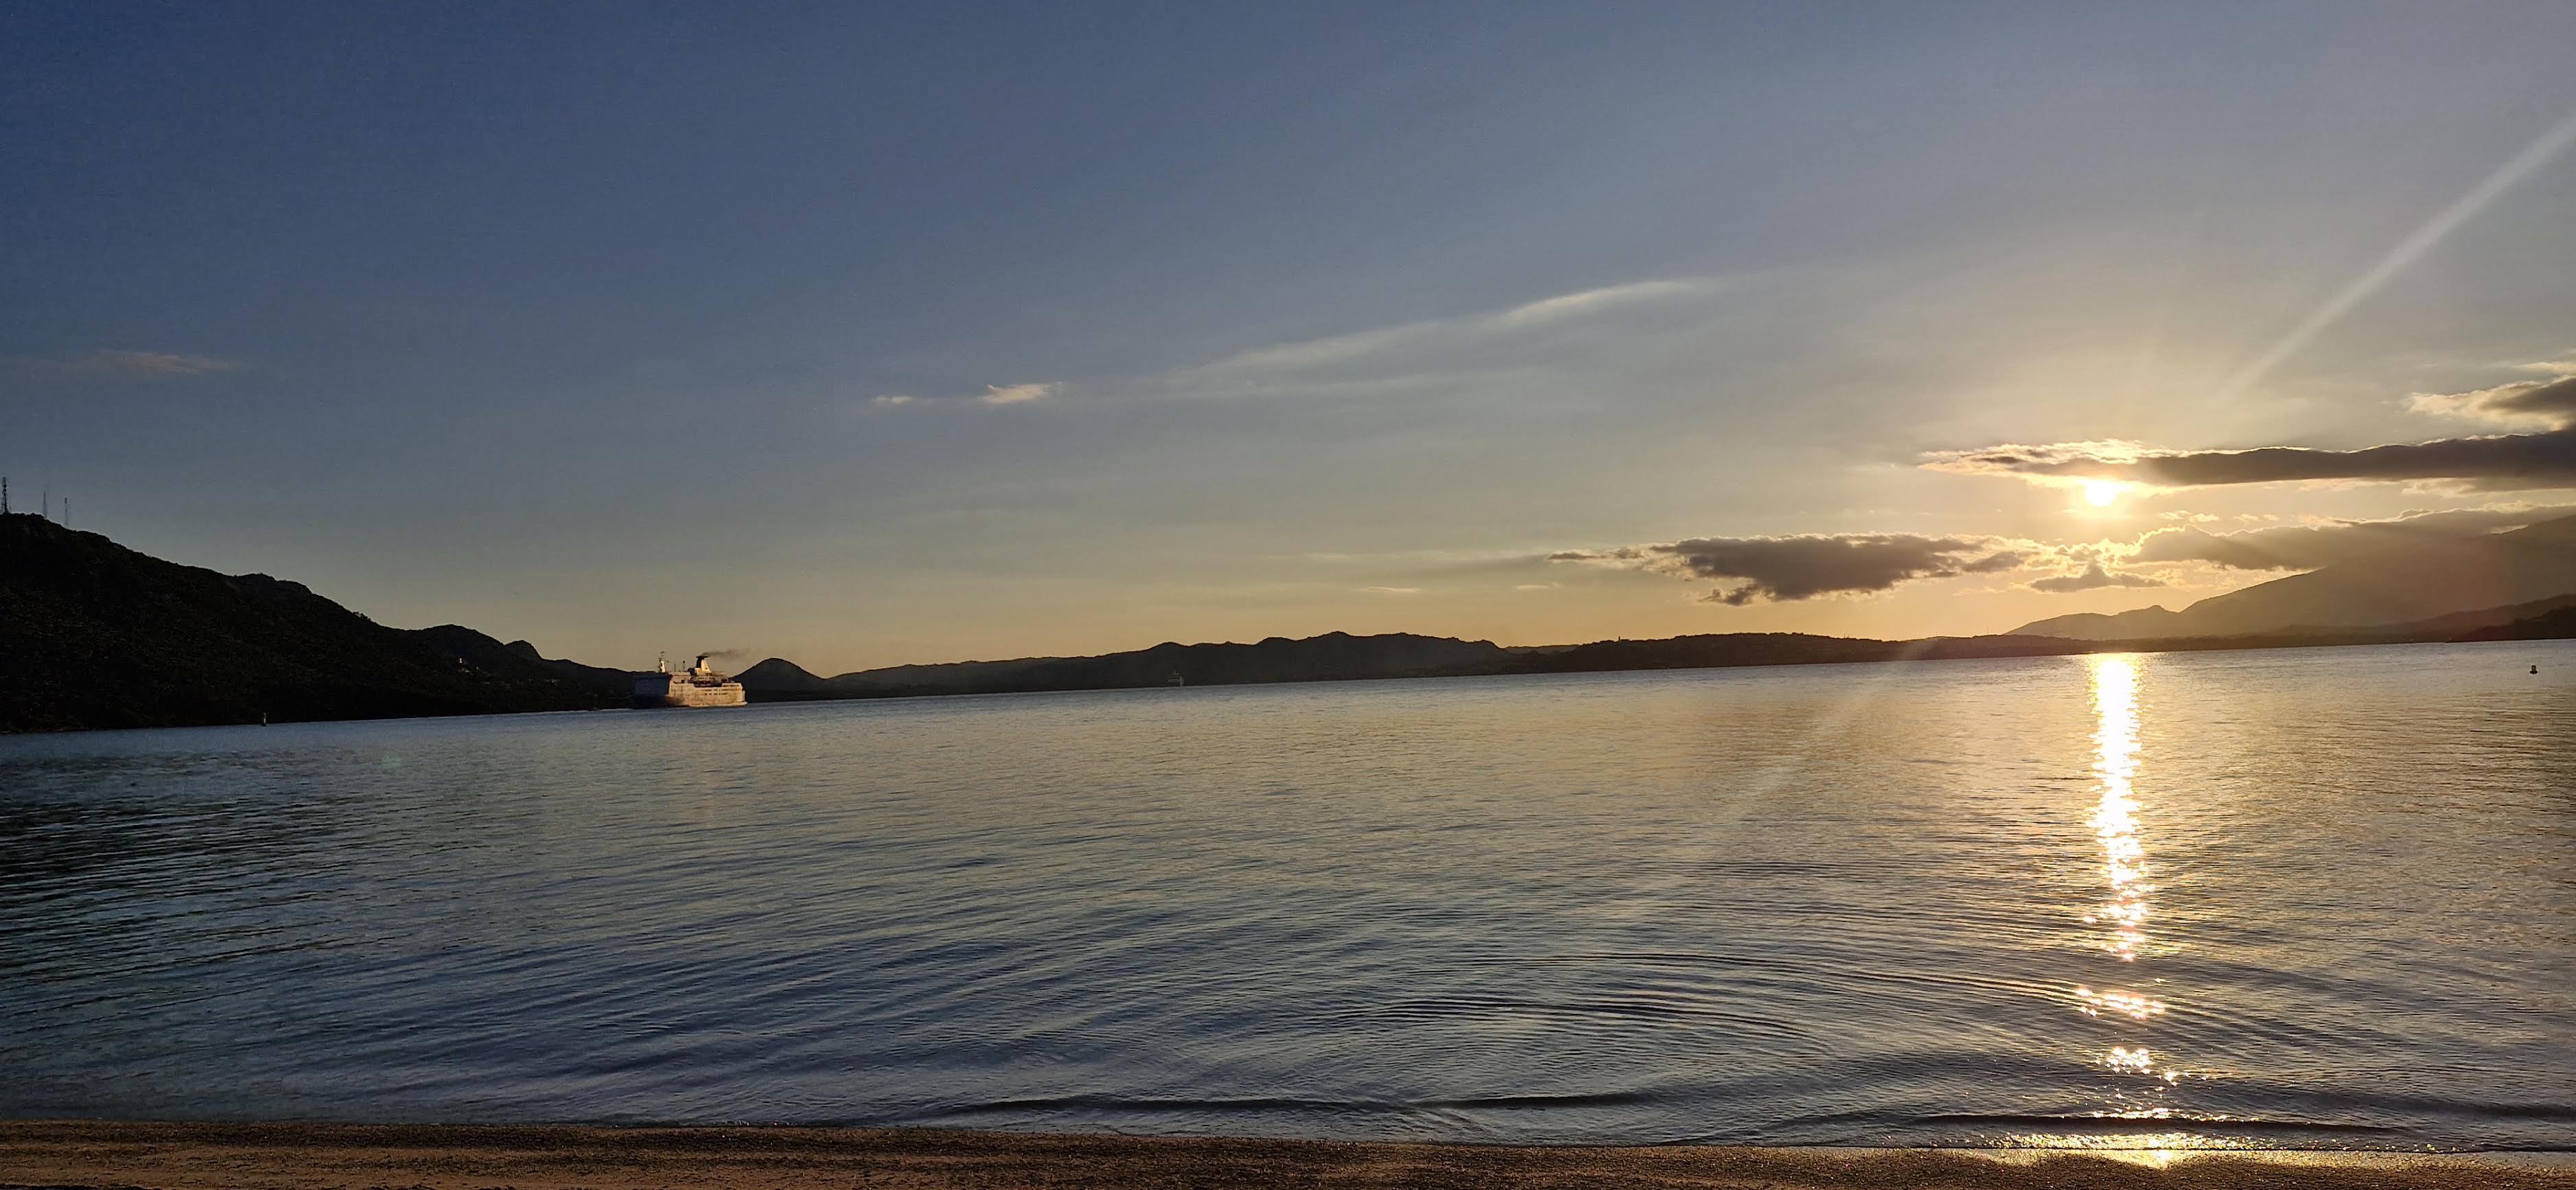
[(2550, 403), (2309, 546), (2494, 462), (1809, 566)]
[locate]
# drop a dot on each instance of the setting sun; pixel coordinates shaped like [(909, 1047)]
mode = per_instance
[(2100, 492)]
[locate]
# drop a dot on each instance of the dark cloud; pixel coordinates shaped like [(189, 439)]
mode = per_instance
[(2544, 459), (2306, 547), (1804, 567), (2503, 461), (2091, 578), (2549, 402)]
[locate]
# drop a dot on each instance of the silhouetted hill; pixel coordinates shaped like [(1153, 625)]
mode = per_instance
[(1333, 656), (1784, 648), (2129, 625), (2404, 584), (98, 635), (783, 676), (2559, 624), (1341, 657)]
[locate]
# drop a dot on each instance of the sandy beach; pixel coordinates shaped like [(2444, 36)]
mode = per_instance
[(59, 1154)]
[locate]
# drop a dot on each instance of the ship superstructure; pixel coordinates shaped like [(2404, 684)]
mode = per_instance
[(697, 686)]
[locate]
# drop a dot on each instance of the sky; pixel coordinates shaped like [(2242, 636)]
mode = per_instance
[(866, 335)]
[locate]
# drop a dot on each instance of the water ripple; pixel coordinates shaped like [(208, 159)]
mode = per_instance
[(2313, 897)]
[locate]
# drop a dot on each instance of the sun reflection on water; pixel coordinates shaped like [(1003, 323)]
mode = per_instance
[(2127, 1004), (2115, 820), (2155, 1150), (2125, 870)]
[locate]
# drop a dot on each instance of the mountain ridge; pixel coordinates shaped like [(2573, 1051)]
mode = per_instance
[(1330, 656), (102, 636), (2405, 583)]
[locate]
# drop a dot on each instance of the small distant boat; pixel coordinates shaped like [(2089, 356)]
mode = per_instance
[(697, 686), (1174, 680)]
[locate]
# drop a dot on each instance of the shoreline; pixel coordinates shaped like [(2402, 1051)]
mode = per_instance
[(774, 699), (66, 1154)]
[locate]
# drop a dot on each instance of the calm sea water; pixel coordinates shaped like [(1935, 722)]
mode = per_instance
[(2315, 897)]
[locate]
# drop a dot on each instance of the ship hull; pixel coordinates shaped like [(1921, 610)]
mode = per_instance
[(653, 693)]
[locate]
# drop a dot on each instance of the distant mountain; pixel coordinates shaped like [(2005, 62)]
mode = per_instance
[(1332, 656), (2513, 623), (1340, 656), (784, 679), (1723, 650), (98, 635), (2556, 624), (2141, 624), (2404, 584)]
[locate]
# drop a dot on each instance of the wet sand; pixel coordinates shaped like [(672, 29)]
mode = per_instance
[(59, 1154)]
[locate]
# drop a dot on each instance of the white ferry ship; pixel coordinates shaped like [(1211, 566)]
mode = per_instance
[(698, 686)]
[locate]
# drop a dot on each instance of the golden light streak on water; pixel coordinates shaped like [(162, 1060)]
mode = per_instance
[(2128, 1004), (2155, 1150), (2135, 1061), (2124, 866), (2115, 818)]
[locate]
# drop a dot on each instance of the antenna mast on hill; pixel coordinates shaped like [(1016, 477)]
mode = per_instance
[(4, 495)]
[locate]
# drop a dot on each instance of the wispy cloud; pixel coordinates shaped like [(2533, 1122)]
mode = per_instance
[(120, 365), (1594, 301), (993, 394), (1434, 354), (1449, 339), (1017, 394)]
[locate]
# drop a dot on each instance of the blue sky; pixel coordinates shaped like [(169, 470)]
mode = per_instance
[(593, 324)]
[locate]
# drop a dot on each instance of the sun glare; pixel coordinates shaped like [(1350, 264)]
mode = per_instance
[(2100, 492)]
